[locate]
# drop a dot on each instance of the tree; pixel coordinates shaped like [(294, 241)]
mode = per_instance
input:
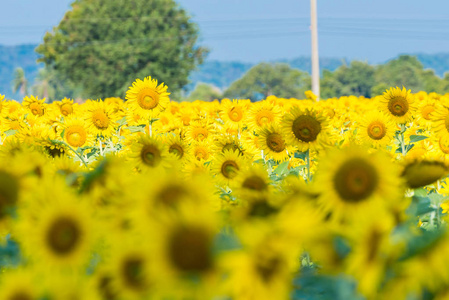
[(356, 79), (205, 92), (267, 79), (103, 46), (20, 83)]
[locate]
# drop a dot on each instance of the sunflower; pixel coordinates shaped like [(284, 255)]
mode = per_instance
[(184, 247), (261, 114), (100, 118), (371, 251), (233, 113), (398, 104), (130, 269), (20, 284), (228, 142), (272, 142), (202, 151), (198, 131), (440, 121), (147, 98), (56, 228), (177, 146), (425, 110), (75, 132), (11, 107), (226, 166), (252, 181), (352, 180), (148, 152), (421, 172), (305, 129), (376, 129), (263, 269), (34, 105)]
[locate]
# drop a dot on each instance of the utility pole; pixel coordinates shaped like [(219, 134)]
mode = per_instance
[(315, 60)]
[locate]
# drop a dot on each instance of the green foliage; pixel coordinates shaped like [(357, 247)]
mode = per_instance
[(355, 79), (103, 46), (267, 79), (205, 92), (362, 79)]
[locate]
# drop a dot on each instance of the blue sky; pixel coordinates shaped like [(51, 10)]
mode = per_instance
[(261, 30)]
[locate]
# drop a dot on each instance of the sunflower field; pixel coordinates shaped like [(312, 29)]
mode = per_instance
[(278, 199)]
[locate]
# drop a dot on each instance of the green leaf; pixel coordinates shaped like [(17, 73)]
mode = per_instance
[(133, 129), (301, 155), (122, 121), (10, 132), (281, 169), (421, 192), (417, 138)]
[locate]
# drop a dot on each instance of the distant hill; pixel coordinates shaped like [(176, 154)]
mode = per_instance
[(218, 73)]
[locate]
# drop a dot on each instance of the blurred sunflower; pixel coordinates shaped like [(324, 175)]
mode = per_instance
[(352, 180)]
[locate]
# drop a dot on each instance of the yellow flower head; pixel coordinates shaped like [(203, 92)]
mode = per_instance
[(147, 98), (399, 104)]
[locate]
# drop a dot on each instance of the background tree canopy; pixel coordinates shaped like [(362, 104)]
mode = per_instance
[(267, 79), (103, 46)]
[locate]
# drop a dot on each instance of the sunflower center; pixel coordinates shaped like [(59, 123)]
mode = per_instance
[(170, 195), (306, 128), (132, 272), (264, 117), (275, 142), (200, 134), (261, 208), (36, 109), (105, 288), (148, 99), (418, 174), (268, 268), (426, 111), (229, 169), (151, 155), (235, 114), (373, 244), (66, 109), (100, 119), (355, 180), (14, 125), (9, 192), (63, 236), (376, 130), (177, 150), (190, 249), (20, 295), (76, 135), (201, 153), (398, 106), (254, 183)]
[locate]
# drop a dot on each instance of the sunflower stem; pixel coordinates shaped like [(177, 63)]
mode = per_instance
[(308, 164), (101, 148), (77, 154)]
